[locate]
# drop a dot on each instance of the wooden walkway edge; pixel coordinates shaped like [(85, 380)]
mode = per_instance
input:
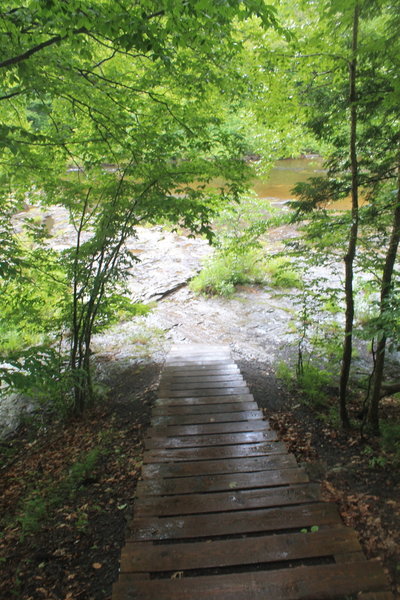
[(223, 511)]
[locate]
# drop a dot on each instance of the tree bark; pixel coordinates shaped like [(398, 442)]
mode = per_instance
[(352, 245), (386, 287)]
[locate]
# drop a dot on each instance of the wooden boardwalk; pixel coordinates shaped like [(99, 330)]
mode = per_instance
[(223, 512)]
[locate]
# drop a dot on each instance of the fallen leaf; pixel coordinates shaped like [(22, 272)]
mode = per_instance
[(177, 575), (97, 565)]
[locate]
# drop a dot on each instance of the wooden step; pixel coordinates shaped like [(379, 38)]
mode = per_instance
[(248, 521), (232, 500), (142, 557), (321, 582), (223, 511)]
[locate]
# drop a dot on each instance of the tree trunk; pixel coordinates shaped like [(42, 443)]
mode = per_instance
[(386, 286), (352, 245)]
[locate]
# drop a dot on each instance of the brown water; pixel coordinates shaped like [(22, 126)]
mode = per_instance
[(285, 174)]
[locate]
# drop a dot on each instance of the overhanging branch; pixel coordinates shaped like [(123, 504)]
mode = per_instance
[(25, 55)]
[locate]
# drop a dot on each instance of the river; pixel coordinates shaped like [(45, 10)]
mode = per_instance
[(277, 187)]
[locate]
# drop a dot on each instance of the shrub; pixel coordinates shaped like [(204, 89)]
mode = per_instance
[(309, 379), (391, 438), (224, 271), (282, 274)]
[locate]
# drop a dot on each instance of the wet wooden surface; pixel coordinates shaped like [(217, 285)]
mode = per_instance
[(223, 510)]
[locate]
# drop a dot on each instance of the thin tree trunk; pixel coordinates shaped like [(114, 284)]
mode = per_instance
[(386, 286), (351, 250)]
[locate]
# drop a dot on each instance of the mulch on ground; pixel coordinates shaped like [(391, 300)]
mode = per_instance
[(67, 495)]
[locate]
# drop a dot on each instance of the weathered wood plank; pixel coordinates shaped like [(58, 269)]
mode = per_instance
[(215, 467), (204, 409), (350, 557), (240, 416), (225, 391), (322, 582), (208, 525), (199, 370), (376, 596), (217, 487), (213, 452), (235, 427), (204, 377), (220, 482), (203, 362), (195, 357), (222, 439), (188, 504), (185, 350), (189, 385), (139, 556), (200, 400)]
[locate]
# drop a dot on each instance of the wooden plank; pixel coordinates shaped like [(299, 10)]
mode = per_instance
[(195, 370), (212, 483), (209, 384), (196, 356), (321, 582), (227, 501), (240, 416), (140, 556), (215, 467), (235, 427), (209, 525), (203, 362), (350, 557), (376, 596), (195, 350), (213, 452), (204, 409), (188, 399), (205, 377), (225, 391), (222, 439)]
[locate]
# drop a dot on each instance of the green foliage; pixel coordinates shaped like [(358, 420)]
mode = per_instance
[(358, 124), (134, 99), (282, 274), (238, 258), (240, 226), (224, 271), (36, 508), (81, 470), (116, 308), (311, 381), (31, 304), (377, 461), (33, 514), (391, 438), (285, 372), (40, 373), (312, 529)]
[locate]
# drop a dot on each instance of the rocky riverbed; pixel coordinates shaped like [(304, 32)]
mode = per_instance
[(257, 322)]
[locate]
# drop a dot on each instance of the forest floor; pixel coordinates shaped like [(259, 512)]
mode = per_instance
[(67, 488)]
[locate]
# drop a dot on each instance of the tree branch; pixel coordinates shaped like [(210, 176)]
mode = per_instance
[(25, 55), (13, 94)]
